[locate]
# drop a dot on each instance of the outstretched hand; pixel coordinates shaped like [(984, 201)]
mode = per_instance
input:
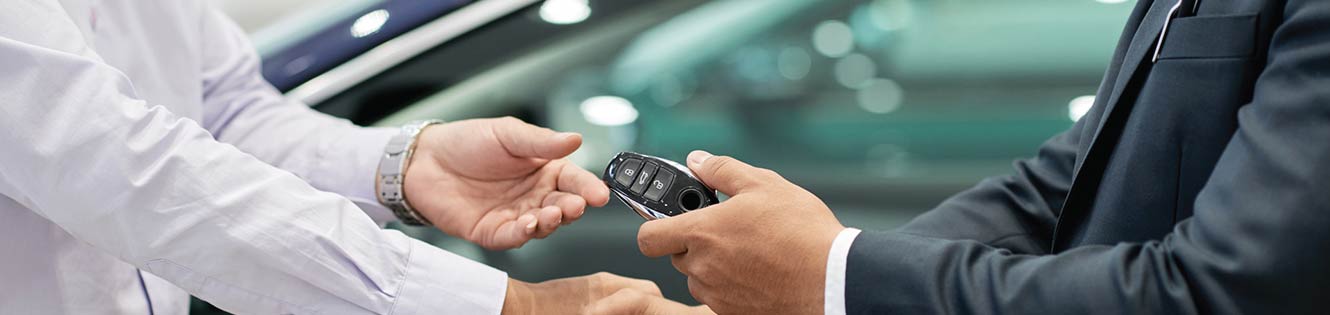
[(499, 182)]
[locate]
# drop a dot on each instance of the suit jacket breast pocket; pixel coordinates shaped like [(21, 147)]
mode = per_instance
[(1205, 74), (1228, 36)]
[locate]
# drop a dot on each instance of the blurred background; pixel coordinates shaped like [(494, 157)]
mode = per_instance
[(881, 107)]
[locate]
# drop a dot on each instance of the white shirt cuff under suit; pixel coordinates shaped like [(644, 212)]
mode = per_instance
[(834, 300)]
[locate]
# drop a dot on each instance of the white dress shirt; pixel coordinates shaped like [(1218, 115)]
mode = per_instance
[(141, 153), (834, 299)]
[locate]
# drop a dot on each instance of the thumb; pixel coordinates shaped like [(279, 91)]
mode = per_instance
[(521, 139), (726, 174)]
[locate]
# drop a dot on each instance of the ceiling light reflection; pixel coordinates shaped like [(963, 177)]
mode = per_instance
[(608, 111), (794, 63), (369, 23), (881, 96), (855, 70), (565, 11), (1079, 106), (833, 38)]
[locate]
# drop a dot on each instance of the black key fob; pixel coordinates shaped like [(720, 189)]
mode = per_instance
[(654, 187)]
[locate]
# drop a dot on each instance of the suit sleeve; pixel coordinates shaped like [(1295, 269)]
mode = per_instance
[(242, 109), (1256, 243), (1016, 212)]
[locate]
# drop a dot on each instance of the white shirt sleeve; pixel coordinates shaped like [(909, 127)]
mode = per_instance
[(834, 300), (243, 109), (78, 147)]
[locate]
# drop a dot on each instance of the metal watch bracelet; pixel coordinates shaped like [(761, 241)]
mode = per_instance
[(392, 172)]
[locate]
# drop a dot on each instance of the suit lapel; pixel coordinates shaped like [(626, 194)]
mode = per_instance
[(1142, 44), (1138, 50)]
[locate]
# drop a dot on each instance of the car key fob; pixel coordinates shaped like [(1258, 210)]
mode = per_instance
[(656, 188)]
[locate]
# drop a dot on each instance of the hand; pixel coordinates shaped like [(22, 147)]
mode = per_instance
[(499, 182), (570, 295), (633, 302), (763, 251)]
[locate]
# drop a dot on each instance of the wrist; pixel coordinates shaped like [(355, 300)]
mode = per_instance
[(422, 155), (391, 179), (824, 240), (519, 298), (833, 302)]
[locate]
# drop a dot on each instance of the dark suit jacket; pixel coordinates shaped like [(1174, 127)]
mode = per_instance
[(1197, 184)]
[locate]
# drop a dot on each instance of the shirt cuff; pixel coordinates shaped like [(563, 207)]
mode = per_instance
[(348, 165), (834, 300), (440, 282)]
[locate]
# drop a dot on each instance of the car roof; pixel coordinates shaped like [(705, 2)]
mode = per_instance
[(346, 36)]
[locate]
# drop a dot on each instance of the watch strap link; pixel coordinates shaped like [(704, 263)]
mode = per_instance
[(392, 172)]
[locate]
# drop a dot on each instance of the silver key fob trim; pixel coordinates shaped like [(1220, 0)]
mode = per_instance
[(656, 188)]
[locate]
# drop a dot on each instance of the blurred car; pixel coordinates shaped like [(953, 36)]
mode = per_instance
[(883, 108)]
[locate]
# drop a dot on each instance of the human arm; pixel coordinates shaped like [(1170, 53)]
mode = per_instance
[(157, 191), (1252, 245), (1017, 211), (242, 109), (496, 182)]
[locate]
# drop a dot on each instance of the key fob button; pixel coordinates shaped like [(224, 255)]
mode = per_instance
[(628, 171), (655, 188), (643, 178), (659, 185)]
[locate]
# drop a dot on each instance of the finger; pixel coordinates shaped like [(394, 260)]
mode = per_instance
[(504, 230), (726, 174), (576, 180), (525, 140), (666, 236), (550, 218), (572, 206)]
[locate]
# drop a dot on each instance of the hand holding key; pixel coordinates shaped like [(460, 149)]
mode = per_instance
[(763, 251)]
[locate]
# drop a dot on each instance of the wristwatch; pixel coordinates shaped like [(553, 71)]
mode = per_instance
[(392, 172)]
